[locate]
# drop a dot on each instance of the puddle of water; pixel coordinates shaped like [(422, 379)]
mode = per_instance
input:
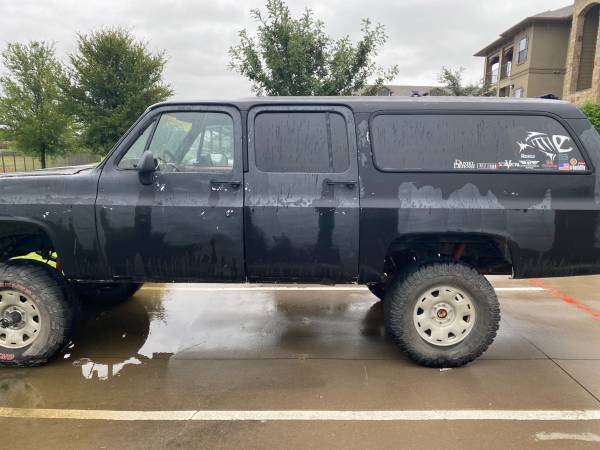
[(219, 324)]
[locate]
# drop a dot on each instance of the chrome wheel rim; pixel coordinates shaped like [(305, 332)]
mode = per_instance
[(20, 320), (444, 315)]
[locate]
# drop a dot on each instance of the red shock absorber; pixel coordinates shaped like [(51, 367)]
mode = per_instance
[(59, 266), (458, 252)]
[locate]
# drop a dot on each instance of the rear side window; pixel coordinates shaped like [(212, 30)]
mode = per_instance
[(473, 142), (301, 142)]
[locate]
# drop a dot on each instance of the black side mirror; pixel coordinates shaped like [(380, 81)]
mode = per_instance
[(146, 167)]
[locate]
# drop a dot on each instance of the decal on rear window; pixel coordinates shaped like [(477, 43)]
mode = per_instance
[(473, 142)]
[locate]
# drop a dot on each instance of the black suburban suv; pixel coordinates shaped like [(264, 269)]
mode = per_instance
[(416, 198)]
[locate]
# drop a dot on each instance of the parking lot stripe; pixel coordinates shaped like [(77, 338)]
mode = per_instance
[(297, 288), (259, 415)]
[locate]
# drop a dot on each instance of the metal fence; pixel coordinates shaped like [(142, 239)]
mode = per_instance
[(16, 162)]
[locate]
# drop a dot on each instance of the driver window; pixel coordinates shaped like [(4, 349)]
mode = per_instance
[(193, 142)]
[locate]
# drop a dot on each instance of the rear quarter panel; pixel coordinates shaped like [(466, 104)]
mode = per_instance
[(549, 221)]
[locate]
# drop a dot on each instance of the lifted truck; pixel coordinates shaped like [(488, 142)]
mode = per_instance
[(416, 198)]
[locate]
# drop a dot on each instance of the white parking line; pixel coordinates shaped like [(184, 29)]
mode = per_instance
[(174, 287), (585, 437), (259, 415)]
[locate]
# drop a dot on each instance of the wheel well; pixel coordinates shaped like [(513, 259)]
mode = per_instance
[(488, 254), (20, 239)]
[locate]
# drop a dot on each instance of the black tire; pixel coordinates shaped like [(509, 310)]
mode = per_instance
[(407, 290), (68, 290), (378, 290), (46, 290), (108, 293)]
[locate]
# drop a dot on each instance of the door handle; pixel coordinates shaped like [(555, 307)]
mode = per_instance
[(348, 184), (232, 183)]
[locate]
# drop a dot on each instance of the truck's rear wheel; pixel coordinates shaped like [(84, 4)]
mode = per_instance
[(37, 316), (442, 314), (106, 292)]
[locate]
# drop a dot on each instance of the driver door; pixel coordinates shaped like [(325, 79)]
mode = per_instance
[(187, 224)]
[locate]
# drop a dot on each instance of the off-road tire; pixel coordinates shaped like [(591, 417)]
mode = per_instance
[(47, 289), (403, 295), (106, 293), (68, 290)]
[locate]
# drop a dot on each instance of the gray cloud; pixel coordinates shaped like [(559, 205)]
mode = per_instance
[(423, 34)]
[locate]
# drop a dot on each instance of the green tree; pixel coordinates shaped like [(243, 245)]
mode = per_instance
[(112, 79), (32, 116), (295, 56), (452, 85), (592, 111)]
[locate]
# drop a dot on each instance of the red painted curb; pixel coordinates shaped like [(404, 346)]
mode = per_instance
[(569, 300)]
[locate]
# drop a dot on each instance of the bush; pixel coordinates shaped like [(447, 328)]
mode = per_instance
[(592, 111)]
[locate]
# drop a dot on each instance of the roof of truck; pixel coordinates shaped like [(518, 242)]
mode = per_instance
[(372, 104)]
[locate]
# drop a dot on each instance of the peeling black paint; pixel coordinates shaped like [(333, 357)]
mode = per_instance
[(306, 227)]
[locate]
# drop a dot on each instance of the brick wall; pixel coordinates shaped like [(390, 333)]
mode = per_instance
[(570, 91)]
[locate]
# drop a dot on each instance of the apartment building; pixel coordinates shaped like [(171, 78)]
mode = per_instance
[(529, 59)]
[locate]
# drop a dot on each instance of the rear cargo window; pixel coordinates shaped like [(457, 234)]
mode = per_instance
[(305, 142), (452, 142)]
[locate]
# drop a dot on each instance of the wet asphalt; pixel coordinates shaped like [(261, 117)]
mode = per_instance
[(226, 347)]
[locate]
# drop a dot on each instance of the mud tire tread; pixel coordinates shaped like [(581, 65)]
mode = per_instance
[(49, 290), (404, 292)]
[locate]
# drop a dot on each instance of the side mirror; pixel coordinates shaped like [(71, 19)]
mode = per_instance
[(146, 167)]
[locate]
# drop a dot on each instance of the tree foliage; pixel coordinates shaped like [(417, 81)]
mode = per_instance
[(452, 85), (592, 111), (32, 116), (295, 56), (112, 80)]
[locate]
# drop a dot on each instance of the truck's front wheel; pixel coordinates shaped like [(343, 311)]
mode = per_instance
[(37, 316), (442, 314)]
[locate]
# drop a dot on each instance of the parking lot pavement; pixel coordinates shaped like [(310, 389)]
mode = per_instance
[(229, 366)]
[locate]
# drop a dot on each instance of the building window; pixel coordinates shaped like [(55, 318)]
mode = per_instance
[(493, 69), (588, 48), (522, 50), (518, 93), (494, 76), (507, 58)]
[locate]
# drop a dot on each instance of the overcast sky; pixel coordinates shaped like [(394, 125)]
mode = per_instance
[(423, 34)]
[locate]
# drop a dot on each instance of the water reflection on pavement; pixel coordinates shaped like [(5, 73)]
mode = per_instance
[(225, 324)]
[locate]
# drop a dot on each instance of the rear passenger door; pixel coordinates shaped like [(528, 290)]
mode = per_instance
[(301, 194)]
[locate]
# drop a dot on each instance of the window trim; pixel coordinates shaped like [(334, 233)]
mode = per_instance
[(154, 116), (590, 168), (342, 110)]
